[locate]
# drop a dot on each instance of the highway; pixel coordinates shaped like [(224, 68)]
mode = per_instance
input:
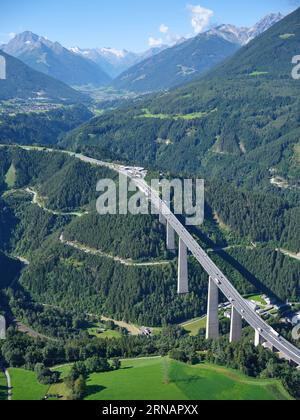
[(291, 352), (241, 305)]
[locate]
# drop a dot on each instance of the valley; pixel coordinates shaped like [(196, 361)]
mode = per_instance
[(92, 302)]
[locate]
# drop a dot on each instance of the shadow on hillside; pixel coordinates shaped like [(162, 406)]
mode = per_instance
[(259, 286), (234, 263), (3, 393), (94, 389)]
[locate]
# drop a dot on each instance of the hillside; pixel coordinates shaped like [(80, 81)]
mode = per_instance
[(240, 122), (187, 60), (23, 82), (176, 65), (43, 128), (53, 59), (68, 277), (113, 61)]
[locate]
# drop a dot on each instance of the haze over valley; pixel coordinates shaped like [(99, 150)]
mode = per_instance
[(132, 307)]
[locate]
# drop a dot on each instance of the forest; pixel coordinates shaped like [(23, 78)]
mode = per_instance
[(22, 351), (44, 128), (78, 282)]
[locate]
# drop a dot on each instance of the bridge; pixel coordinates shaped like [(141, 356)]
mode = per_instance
[(241, 308)]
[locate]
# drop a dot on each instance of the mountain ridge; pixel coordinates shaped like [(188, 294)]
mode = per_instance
[(239, 122), (52, 59), (23, 82), (114, 61), (188, 60)]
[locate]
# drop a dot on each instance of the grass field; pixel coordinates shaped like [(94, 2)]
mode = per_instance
[(256, 298), (156, 379), (192, 116), (259, 73), (164, 379), (25, 386), (11, 176), (95, 330), (193, 327), (3, 387), (286, 36)]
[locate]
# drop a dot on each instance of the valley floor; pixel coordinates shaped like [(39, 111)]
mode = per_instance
[(156, 379)]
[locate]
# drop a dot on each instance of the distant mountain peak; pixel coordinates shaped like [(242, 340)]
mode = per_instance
[(243, 35), (55, 60), (113, 51)]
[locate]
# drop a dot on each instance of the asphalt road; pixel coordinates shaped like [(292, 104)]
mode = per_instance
[(241, 305)]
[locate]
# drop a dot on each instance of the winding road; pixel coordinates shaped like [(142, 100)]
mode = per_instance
[(242, 306), (93, 251)]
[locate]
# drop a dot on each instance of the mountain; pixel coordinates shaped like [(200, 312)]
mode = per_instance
[(243, 36), (113, 61), (239, 123), (25, 83), (263, 25), (54, 60), (189, 59), (176, 65)]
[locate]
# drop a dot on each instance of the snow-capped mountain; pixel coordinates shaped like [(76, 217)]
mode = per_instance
[(54, 60), (187, 60), (111, 60), (264, 24), (243, 35), (115, 61)]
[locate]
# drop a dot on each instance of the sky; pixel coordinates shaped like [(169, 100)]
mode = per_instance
[(128, 24)]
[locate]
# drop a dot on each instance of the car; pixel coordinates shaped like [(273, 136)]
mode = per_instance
[(275, 332)]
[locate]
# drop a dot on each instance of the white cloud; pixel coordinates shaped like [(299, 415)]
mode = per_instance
[(200, 17), (11, 35), (163, 28), (154, 42)]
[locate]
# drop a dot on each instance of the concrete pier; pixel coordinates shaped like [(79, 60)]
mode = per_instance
[(259, 340), (162, 219), (183, 281), (236, 326), (212, 327), (171, 245)]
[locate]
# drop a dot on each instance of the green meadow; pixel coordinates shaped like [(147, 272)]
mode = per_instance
[(156, 379), (187, 117), (193, 327), (166, 379), (11, 176), (25, 386)]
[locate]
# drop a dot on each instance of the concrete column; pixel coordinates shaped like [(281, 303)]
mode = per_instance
[(212, 328), (236, 326), (171, 246), (162, 219), (259, 340), (183, 281)]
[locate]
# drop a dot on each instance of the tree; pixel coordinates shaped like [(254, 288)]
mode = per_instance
[(116, 364), (79, 388)]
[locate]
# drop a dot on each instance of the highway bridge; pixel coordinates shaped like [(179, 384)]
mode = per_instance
[(241, 308)]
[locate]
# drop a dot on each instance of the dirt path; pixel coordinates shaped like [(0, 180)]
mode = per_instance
[(132, 329), (30, 332), (228, 248), (39, 202), (92, 251), (289, 254)]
